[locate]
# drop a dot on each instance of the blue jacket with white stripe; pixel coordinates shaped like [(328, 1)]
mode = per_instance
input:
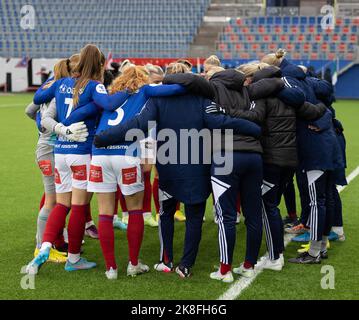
[(317, 150)]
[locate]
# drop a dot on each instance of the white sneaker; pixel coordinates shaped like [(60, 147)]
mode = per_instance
[(281, 258), (238, 221), (133, 271), (227, 278), (244, 272), (111, 274), (275, 265), (162, 267)]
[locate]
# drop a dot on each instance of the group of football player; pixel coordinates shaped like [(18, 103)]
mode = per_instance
[(278, 119)]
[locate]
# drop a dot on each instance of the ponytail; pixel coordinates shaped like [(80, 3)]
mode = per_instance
[(275, 59)]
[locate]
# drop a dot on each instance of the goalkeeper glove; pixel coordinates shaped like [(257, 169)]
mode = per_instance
[(75, 132)]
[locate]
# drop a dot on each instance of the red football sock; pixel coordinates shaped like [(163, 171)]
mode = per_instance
[(88, 214), (155, 194), (248, 265), (148, 192), (225, 268), (238, 203), (135, 230), (178, 206), (60, 241), (122, 202), (55, 223), (76, 227), (42, 201), (107, 240)]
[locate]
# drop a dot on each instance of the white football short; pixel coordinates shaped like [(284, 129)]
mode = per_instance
[(108, 172), (71, 171)]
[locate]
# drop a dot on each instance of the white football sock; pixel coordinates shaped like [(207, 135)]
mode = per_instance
[(73, 257)]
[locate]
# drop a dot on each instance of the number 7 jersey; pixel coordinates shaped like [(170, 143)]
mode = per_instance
[(64, 107)]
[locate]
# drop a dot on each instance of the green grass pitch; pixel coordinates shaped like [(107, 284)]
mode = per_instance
[(21, 190)]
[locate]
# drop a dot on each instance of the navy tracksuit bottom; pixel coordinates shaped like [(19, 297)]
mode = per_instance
[(338, 214), (194, 220), (245, 179), (318, 203), (275, 181), (289, 196)]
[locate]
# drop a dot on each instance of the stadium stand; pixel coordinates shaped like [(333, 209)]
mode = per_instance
[(303, 37), (131, 28)]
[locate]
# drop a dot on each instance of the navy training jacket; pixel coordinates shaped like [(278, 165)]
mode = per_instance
[(188, 183), (316, 150)]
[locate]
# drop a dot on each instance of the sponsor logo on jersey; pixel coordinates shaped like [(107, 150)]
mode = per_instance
[(96, 174), (129, 176), (100, 88), (46, 168), (64, 89), (79, 172)]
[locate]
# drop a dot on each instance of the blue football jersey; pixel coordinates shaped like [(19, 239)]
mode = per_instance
[(62, 91), (132, 106), (128, 110)]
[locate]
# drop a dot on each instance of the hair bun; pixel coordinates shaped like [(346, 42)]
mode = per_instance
[(280, 53)]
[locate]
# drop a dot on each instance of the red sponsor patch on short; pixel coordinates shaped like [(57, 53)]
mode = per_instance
[(79, 172), (96, 174), (46, 168), (129, 175), (57, 177)]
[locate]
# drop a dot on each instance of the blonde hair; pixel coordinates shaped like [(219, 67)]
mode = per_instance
[(156, 73), (153, 69), (274, 59), (187, 63), (304, 68), (124, 65), (249, 69), (132, 78), (61, 70), (211, 61), (213, 70), (72, 63), (90, 67), (176, 67)]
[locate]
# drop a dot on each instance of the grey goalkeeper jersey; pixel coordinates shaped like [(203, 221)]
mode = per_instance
[(45, 144)]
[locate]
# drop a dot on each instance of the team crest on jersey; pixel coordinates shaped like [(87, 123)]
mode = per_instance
[(100, 88), (79, 172), (96, 174), (46, 167), (129, 175)]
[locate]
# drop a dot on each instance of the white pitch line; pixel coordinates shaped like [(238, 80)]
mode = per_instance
[(350, 178), (242, 283)]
